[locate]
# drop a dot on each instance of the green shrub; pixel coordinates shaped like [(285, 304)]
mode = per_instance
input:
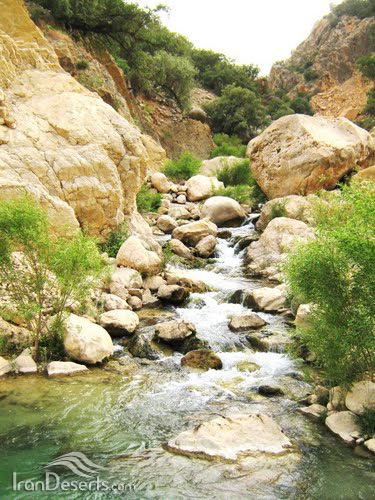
[(367, 422), (147, 200), (185, 167), (82, 64), (227, 146), (115, 239), (235, 174), (278, 210), (336, 272), (48, 273), (358, 8), (310, 74), (247, 195)]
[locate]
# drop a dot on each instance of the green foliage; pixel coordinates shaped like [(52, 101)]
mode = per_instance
[(239, 111), (235, 174), (366, 65), (175, 75), (336, 273), (82, 64), (147, 200), (115, 239), (357, 8), (367, 422), (244, 194), (37, 12), (91, 82), (168, 257), (227, 146), (48, 273), (277, 210), (279, 104), (310, 74), (301, 104), (185, 167), (216, 71)]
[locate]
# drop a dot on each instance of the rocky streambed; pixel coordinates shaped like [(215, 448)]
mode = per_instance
[(146, 422)]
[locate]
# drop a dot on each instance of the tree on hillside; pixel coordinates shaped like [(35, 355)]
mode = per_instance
[(238, 111)]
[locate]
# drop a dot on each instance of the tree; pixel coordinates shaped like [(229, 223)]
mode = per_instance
[(41, 274), (238, 111), (335, 272), (366, 65)]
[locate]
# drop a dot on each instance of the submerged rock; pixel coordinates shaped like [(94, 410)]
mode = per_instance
[(65, 368), (345, 424), (232, 437), (247, 366), (314, 412), (202, 359), (270, 390)]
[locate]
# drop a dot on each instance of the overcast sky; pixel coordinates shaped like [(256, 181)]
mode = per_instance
[(257, 32)]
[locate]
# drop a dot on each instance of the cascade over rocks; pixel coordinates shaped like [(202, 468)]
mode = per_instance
[(300, 154)]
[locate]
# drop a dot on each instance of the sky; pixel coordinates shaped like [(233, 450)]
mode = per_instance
[(257, 32)]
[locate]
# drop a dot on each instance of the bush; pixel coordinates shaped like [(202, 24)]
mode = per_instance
[(227, 146), (147, 200), (367, 422), (235, 174), (336, 273), (310, 74), (238, 111), (366, 65), (277, 210), (358, 8), (50, 272), (185, 167), (115, 239), (244, 194), (82, 64)]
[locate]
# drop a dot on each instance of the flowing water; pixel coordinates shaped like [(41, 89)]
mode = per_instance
[(120, 422)]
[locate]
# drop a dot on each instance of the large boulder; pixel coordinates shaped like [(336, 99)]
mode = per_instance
[(201, 187), (361, 397), (194, 232), (292, 207), (63, 144), (267, 299), (223, 210), (166, 223), (345, 424), (301, 154), (133, 254), (230, 437), (265, 255), (213, 166), (85, 341), (119, 322)]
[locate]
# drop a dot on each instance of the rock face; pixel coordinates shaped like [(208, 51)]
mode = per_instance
[(194, 232), (345, 424), (360, 397), (65, 368), (119, 322), (221, 210), (338, 90), (202, 359), (264, 256), (85, 341), (67, 148), (201, 187), (301, 154), (230, 437), (368, 174), (245, 322), (134, 254)]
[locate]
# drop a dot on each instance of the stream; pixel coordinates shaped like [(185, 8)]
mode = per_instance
[(120, 421)]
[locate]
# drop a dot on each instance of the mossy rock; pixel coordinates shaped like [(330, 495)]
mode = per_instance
[(202, 359), (247, 366)]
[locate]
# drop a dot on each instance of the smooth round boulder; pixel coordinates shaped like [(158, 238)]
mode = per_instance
[(223, 210), (119, 322), (194, 232), (85, 341), (361, 397), (206, 247), (160, 182), (111, 302), (202, 359), (180, 249), (201, 187)]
